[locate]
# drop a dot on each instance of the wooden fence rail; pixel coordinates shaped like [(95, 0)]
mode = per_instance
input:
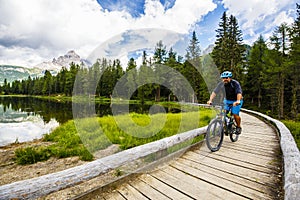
[(291, 158), (43, 185)]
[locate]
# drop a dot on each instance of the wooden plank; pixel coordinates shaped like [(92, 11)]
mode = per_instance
[(252, 150), (259, 146), (199, 155), (162, 187), (291, 158), (258, 137), (245, 157), (114, 195), (130, 192), (224, 173), (148, 191), (235, 167), (192, 186), (230, 181)]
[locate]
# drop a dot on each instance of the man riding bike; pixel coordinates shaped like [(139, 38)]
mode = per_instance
[(233, 96)]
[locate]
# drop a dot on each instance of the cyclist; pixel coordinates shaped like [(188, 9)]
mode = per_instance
[(233, 96)]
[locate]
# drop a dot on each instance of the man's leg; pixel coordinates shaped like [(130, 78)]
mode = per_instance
[(237, 120)]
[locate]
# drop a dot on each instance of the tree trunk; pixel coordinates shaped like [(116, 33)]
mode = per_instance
[(259, 98), (281, 97), (158, 93), (294, 107)]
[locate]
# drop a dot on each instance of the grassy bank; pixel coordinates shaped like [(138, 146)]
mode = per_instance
[(294, 127), (82, 137)]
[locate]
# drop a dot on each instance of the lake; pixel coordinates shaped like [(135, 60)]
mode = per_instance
[(26, 118)]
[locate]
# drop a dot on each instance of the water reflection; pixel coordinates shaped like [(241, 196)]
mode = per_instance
[(25, 118), (47, 109), (20, 126)]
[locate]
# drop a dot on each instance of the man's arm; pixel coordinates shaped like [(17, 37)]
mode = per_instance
[(239, 95), (238, 99), (212, 96), (215, 92)]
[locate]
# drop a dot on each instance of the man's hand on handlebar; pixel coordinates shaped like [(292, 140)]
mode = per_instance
[(209, 102), (236, 103)]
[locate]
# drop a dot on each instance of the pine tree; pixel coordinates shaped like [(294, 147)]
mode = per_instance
[(193, 70), (277, 72), (47, 83), (235, 47), (256, 70), (145, 76), (220, 52), (193, 50), (295, 65), (131, 76), (159, 57), (228, 53), (174, 80), (5, 86), (160, 53)]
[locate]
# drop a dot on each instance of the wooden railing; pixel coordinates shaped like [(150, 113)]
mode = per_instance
[(291, 157), (43, 185)]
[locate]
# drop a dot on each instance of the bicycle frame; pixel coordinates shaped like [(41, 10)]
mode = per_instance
[(219, 127)]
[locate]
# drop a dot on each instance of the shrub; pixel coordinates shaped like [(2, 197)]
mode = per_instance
[(294, 127), (31, 155)]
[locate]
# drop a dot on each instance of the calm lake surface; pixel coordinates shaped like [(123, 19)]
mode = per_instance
[(26, 118)]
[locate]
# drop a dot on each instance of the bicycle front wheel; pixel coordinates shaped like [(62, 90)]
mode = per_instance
[(214, 135)]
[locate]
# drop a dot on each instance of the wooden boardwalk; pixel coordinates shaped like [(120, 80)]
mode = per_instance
[(250, 168)]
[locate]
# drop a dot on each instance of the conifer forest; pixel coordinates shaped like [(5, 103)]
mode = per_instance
[(268, 70)]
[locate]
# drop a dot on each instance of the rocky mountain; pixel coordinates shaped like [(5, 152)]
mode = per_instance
[(208, 49), (56, 64), (12, 73)]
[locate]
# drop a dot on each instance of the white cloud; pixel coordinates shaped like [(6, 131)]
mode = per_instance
[(260, 16), (131, 41), (179, 18), (32, 30), (282, 17)]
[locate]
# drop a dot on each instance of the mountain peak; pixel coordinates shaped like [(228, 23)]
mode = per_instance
[(58, 63)]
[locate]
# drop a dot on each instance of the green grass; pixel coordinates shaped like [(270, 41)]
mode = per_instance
[(132, 136), (83, 137), (294, 127)]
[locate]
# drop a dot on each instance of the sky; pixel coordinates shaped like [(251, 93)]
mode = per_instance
[(33, 31)]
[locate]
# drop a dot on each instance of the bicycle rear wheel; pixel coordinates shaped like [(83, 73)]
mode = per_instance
[(214, 135), (232, 135)]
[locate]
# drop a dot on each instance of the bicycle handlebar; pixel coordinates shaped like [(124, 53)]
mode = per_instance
[(216, 105)]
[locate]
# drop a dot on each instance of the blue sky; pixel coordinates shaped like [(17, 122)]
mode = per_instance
[(33, 31), (135, 8)]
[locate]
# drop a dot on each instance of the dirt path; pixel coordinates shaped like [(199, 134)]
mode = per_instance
[(12, 172)]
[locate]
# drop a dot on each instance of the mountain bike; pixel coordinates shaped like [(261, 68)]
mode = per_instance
[(222, 124)]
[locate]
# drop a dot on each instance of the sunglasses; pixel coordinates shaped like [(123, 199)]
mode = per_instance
[(225, 78)]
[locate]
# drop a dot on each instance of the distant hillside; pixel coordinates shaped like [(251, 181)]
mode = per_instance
[(12, 73)]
